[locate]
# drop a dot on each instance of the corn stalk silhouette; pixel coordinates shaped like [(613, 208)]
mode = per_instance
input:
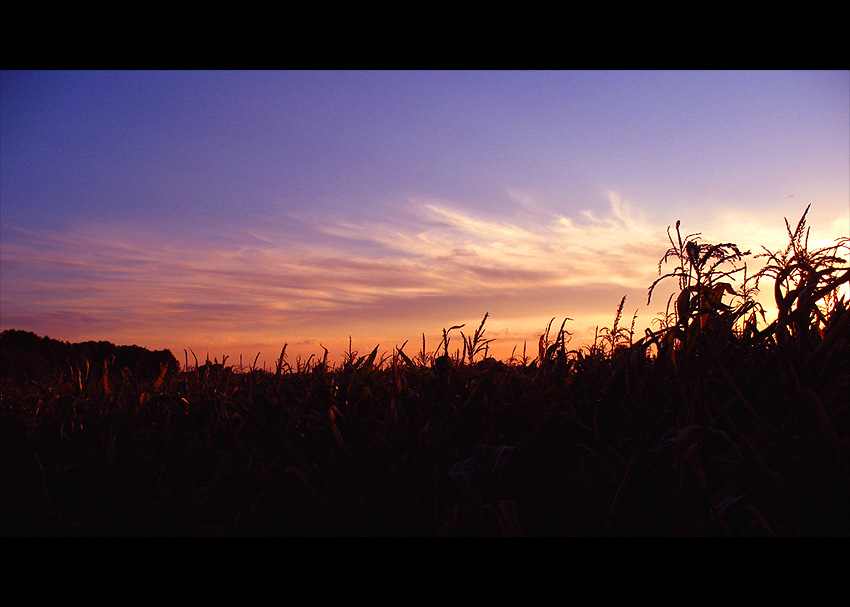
[(702, 322), (810, 314), (812, 319), (700, 269)]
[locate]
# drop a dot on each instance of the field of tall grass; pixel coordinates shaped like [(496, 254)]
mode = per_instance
[(715, 422)]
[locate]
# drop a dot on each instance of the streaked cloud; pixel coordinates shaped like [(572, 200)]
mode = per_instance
[(432, 264), (436, 263)]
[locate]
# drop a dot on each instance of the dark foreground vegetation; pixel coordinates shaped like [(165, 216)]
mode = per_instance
[(715, 423)]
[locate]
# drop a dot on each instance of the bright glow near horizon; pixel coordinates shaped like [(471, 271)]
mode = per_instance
[(233, 212)]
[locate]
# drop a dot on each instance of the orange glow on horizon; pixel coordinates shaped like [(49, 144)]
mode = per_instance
[(218, 302)]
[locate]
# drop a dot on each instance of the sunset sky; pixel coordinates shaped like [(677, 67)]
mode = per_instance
[(233, 212)]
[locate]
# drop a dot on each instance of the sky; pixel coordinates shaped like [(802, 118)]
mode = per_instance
[(232, 212)]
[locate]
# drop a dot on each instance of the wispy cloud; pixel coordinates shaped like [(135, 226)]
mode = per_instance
[(462, 248), (428, 265), (432, 262)]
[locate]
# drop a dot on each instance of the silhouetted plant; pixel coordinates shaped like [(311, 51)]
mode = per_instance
[(617, 337), (474, 344), (721, 432), (805, 284), (697, 267)]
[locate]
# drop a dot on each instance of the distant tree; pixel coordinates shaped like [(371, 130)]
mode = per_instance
[(25, 353)]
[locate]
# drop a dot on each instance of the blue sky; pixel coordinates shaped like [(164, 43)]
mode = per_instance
[(232, 212)]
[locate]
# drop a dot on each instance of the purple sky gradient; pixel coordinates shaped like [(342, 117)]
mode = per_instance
[(233, 212)]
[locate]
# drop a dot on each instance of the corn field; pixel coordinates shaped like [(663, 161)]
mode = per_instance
[(715, 422)]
